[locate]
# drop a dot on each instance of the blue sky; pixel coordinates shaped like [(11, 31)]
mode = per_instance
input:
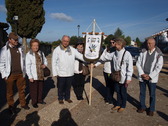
[(136, 18)]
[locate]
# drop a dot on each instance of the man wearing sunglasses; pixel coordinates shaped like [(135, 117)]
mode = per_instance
[(12, 68)]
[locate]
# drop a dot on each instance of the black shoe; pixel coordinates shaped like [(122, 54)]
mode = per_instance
[(43, 103), (12, 109), (80, 98), (26, 107), (35, 106)]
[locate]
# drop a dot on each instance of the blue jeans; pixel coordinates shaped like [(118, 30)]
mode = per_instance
[(121, 94), (110, 88), (152, 90), (64, 86)]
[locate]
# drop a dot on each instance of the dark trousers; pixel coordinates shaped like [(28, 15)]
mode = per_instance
[(21, 85), (36, 91), (152, 90), (64, 86), (109, 87), (78, 84), (121, 94)]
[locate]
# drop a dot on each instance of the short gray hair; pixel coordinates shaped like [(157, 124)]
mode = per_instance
[(65, 36), (150, 38)]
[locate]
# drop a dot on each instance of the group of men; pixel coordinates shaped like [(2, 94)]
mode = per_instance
[(12, 69)]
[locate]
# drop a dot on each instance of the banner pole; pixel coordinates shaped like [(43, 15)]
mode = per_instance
[(91, 75)]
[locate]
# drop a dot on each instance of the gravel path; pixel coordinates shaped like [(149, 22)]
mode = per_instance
[(79, 113)]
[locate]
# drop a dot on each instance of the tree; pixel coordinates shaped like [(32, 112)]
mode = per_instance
[(166, 19), (138, 42), (3, 34), (73, 40), (118, 33), (128, 40), (56, 43), (107, 40), (45, 47), (31, 17)]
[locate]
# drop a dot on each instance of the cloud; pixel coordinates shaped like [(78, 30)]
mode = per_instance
[(141, 24), (61, 16), (2, 8)]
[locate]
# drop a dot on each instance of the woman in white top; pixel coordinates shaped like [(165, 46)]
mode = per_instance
[(34, 70), (122, 61), (107, 73), (125, 67), (79, 78)]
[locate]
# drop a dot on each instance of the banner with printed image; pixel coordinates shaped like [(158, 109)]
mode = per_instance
[(92, 47)]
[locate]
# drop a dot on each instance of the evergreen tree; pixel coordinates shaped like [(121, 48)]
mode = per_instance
[(128, 40), (118, 33), (74, 40), (56, 43), (30, 17), (138, 42)]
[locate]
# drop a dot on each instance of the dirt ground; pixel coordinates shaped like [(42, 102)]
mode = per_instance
[(99, 113)]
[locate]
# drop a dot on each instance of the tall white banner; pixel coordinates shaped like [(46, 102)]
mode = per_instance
[(92, 47)]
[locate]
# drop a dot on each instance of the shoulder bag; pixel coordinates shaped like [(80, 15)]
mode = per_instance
[(46, 70), (116, 75)]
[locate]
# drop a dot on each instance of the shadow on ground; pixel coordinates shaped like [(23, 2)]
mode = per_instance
[(133, 101), (32, 119), (65, 119), (163, 115), (7, 118), (163, 90), (98, 86)]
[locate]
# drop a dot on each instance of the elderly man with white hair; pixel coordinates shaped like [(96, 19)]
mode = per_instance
[(149, 65), (63, 60)]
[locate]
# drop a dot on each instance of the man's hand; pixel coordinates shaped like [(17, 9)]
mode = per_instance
[(92, 65), (31, 80), (145, 77), (128, 82), (43, 66)]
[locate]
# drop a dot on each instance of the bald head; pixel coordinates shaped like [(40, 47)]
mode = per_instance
[(65, 41), (151, 44)]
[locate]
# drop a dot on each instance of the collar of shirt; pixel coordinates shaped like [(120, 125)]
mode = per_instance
[(62, 47), (120, 52), (10, 45), (150, 52)]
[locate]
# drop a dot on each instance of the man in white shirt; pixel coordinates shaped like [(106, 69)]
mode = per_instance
[(63, 60), (149, 65)]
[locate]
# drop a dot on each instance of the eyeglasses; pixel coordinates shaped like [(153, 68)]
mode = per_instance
[(80, 44), (15, 39), (112, 42)]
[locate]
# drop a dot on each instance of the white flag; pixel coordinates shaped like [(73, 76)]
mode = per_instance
[(92, 47)]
